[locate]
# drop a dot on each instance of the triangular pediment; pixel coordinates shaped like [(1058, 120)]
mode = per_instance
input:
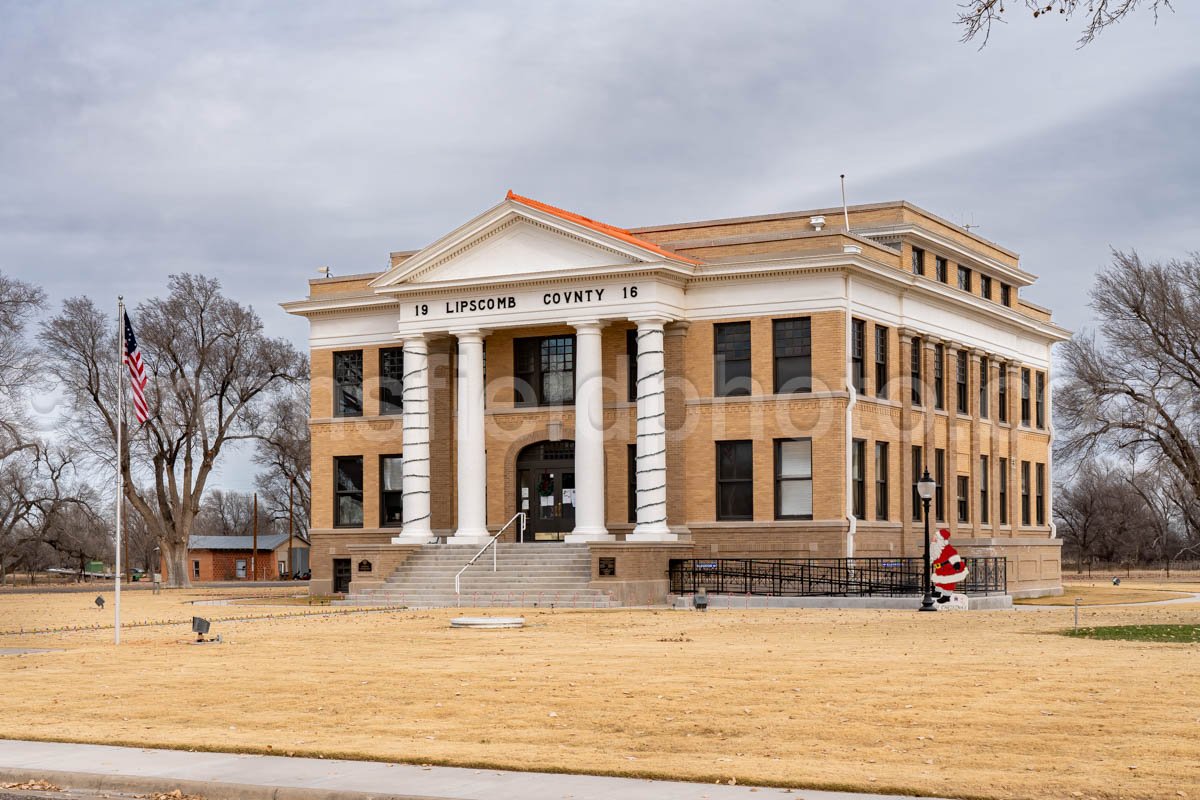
[(513, 240)]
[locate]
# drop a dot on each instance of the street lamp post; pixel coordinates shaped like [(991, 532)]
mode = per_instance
[(925, 488)]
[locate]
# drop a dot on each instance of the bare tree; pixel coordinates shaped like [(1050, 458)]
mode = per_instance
[(226, 513), (210, 367), (283, 450), (976, 17), (19, 301)]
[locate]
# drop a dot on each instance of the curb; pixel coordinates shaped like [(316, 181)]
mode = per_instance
[(212, 790)]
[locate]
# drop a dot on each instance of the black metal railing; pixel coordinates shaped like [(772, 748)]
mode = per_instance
[(841, 577)]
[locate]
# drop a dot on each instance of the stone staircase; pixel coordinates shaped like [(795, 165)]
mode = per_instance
[(540, 575)]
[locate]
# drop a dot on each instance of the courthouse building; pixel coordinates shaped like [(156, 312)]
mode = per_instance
[(758, 387)]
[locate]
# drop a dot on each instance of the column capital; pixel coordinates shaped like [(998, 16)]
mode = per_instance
[(469, 334), (931, 341), (588, 324), (908, 334), (977, 354)]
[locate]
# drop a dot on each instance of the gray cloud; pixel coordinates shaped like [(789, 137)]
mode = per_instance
[(256, 142)]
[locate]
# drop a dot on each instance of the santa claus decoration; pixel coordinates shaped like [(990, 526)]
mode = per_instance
[(948, 570)]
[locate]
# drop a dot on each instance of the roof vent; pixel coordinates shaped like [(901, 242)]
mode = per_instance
[(817, 222)]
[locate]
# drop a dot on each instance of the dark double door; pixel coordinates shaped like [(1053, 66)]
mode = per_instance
[(546, 490)]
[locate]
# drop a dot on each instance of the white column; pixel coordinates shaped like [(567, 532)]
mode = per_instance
[(651, 462), (589, 436), (472, 462), (415, 427)]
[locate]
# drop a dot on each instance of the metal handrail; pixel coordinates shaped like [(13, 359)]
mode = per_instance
[(458, 577)]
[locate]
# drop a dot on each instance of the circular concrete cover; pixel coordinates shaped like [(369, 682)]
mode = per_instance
[(487, 622)]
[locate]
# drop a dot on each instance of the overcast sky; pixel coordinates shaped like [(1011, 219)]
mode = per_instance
[(258, 141)]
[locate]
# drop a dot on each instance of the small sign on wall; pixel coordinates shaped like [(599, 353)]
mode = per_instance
[(608, 567), (364, 566)]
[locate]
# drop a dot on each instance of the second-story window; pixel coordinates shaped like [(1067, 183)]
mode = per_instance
[(918, 261), (544, 370), (915, 371), (1025, 397), (985, 400), (939, 264), (731, 359), (793, 355), (391, 380), (964, 278), (858, 346), (1005, 294), (881, 361), (985, 287), (859, 475), (939, 378), (348, 383), (881, 480), (1002, 393), (961, 381), (1040, 399)]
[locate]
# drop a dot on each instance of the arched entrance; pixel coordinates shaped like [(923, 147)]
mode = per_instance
[(546, 489)]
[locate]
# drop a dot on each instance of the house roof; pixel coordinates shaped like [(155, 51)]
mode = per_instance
[(267, 542), (599, 227)]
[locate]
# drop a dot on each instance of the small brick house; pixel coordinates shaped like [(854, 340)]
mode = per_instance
[(230, 558)]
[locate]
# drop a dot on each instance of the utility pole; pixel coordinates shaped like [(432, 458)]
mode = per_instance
[(292, 486), (254, 545)]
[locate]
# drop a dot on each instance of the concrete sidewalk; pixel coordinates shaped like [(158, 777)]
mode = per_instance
[(223, 776)]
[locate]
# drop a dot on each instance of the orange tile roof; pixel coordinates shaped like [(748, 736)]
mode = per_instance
[(600, 227)]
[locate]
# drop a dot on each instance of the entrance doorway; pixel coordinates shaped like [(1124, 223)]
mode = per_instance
[(546, 490)]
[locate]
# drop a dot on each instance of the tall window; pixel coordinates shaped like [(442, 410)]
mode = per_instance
[(964, 498), (391, 380), (793, 479), (793, 355), (391, 485), (881, 480), (1041, 399), (964, 278), (918, 464), (961, 383), (1040, 488), (348, 492), (915, 371), (984, 483), (939, 476), (858, 369), (1005, 294), (1002, 394), (631, 368), (731, 359), (1025, 397), (881, 361), (985, 286), (918, 261), (631, 473), (1025, 493), (347, 383), (544, 369), (1003, 490), (735, 480), (940, 268), (939, 378), (985, 399), (858, 472)]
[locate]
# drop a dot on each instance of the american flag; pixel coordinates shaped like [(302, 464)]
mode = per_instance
[(137, 373)]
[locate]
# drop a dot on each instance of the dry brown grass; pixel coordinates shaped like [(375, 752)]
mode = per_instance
[(1096, 593), (993, 705)]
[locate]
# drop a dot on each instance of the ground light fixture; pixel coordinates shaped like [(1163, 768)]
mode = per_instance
[(200, 628), (926, 488)]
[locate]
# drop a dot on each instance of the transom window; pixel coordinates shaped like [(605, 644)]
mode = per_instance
[(347, 383), (544, 370), (793, 355), (731, 359)]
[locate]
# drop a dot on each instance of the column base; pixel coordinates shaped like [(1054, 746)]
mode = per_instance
[(589, 535), (416, 536), (652, 534), (478, 537)]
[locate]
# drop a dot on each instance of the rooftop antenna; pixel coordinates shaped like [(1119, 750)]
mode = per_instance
[(845, 209), (324, 272), (967, 226)]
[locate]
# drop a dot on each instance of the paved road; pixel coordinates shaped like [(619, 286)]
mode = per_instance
[(242, 777)]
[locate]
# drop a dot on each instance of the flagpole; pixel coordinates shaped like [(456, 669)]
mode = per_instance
[(120, 465)]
